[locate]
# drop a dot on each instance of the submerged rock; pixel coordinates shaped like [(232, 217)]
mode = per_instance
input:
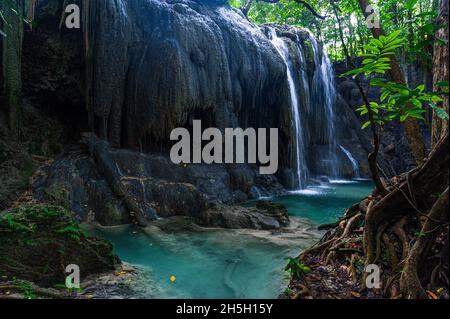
[(277, 211), (266, 215), (38, 242)]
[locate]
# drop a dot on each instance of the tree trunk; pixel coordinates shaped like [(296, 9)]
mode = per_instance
[(440, 70), (341, 35), (12, 66), (412, 128)]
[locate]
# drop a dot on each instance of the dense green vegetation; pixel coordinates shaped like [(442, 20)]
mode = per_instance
[(413, 17), (38, 241)]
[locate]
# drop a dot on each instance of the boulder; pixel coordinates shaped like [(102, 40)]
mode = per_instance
[(38, 242), (266, 215)]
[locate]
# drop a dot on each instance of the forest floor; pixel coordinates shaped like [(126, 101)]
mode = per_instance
[(328, 282), (342, 278)]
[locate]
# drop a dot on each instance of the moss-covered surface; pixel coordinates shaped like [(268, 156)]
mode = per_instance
[(38, 242)]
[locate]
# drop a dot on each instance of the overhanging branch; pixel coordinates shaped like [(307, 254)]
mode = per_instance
[(247, 6)]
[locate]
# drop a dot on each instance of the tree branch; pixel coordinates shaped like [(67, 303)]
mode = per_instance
[(247, 6)]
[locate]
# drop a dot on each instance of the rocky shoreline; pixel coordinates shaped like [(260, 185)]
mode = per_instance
[(122, 280)]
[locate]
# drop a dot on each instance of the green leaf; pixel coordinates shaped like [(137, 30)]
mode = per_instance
[(367, 61), (436, 99), (378, 43), (378, 81), (392, 47), (417, 103), (394, 35), (365, 125), (384, 60), (410, 4), (429, 28), (441, 113)]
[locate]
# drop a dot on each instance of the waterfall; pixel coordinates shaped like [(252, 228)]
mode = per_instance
[(324, 100), (304, 76), (354, 162), (301, 169), (318, 102)]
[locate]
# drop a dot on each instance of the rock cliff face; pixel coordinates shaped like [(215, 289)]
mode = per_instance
[(157, 65), (153, 65)]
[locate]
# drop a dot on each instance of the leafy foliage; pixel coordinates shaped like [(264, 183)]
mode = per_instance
[(397, 101), (296, 268), (415, 19)]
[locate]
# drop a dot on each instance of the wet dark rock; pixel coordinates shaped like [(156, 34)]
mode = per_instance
[(277, 211), (74, 182), (324, 179), (158, 65), (117, 186), (208, 63), (266, 215)]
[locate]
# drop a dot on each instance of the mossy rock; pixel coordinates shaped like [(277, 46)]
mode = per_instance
[(38, 242)]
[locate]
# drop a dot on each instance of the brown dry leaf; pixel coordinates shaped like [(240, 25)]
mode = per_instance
[(432, 294), (356, 294)]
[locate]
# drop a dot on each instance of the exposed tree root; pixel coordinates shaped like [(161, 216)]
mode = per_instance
[(405, 233), (410, 284)]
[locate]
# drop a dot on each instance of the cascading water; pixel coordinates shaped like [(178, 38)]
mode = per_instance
[(301, 169), (354, 162), (318, 99), (304, 76), (323, 94)]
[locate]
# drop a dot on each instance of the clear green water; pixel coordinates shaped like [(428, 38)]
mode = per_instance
[(225, 263), (325, 204), (211, 264)]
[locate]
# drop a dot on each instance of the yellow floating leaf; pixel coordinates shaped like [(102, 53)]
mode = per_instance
[(432, 294), (356, 294)]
